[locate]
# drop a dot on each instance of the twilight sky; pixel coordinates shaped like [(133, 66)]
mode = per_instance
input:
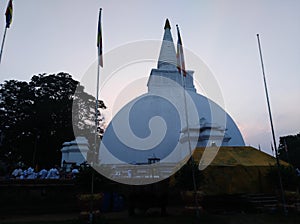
[(60, 35)]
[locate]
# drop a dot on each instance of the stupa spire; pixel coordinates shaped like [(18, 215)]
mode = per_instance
[(167, 55), (167, 24)]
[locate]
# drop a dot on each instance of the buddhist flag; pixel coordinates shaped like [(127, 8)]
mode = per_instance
[(9, 13), (99, 41), (179, 55)]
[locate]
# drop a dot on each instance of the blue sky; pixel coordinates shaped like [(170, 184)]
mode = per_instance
[(60, 35)]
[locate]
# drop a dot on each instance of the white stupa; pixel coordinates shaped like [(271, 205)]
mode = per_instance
[(160, 122), (74, 152)]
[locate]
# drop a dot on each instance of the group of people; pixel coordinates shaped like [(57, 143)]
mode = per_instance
[(53, 173)]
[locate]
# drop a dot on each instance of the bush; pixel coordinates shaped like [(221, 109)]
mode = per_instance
[(184, 177), (290, 180)]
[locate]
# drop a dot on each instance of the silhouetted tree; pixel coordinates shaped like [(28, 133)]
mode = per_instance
[(36, 117), (289, 149)]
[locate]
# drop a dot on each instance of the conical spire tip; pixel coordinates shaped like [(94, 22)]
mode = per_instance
[(167, 24)]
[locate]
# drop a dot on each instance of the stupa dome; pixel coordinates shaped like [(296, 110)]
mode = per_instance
[(169, 121)]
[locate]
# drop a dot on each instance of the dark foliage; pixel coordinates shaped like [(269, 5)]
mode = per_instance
[(184, 177), (84, 180), (289, 149), (36, 117), (290, 180)]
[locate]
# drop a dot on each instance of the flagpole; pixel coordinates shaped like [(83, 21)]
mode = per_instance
[(100, 63), (2, 46), (95, 151), (272, 149), (95, 154), (189, 138), (97, 91), (272, 127), (187, 123), (180, 56)]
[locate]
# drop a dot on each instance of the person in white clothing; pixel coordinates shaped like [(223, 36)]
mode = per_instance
[(17, 173), (53, 174), (43, 174), (31, 174)]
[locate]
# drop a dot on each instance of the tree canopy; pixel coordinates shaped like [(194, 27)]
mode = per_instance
[(289, 149), (36, 117)]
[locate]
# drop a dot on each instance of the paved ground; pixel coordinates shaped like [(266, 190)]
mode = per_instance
[(74, 216), (176, 216), (36, 218)]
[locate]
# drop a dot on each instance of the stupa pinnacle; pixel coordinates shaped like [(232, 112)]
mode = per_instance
[(167, 56), (155, 124)]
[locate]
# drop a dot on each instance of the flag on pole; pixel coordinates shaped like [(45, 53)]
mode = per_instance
[(99, 41), (9, 13), (179, 55)]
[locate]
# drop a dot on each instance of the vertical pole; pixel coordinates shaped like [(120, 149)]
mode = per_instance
[(95, 151), (272, 149), (188, 129), (95, 154), (96, 112), (190, 147), (2, 46), (97, 90), (272, 128)]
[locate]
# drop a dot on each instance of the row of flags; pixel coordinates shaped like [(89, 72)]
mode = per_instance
[(179, 54)]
